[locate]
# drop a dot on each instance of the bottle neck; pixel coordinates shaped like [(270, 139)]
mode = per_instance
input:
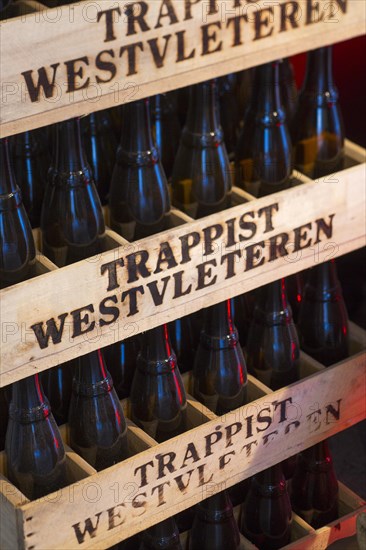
[(269, 98), (28, 403), (163, 535), (323, 284), (271, 482), (203, 118), (137, 147), (273, 305), (219, 331), (318, 458), (319, 73), (70, 155), (91, 377), (8, 184), (216, 508), (157, 356)]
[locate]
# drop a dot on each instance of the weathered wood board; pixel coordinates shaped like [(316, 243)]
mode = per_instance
[(75, 59), (112, 505), (91, 304)]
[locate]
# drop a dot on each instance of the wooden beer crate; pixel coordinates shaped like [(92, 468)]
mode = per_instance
[(294, 230)]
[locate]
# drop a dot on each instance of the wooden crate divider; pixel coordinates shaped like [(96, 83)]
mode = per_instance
[(187, 269)]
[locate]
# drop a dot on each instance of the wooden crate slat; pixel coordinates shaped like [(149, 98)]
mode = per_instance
[(329, 392), (199, 47), (186, 281)]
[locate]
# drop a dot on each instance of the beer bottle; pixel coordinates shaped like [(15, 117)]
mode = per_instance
[(17, 250), (165, 129), (266, 514), (289, 95), (229, 111), (139, 199), (323, 320), (201, 182), (100, 149), (121, 360), (181, 100), (57, 384), (242, 307), (318, 132), (314, 486), (162, 536), (30, 163), (158, 400), (219, 372), (98, 430), (72, 221), (183, 342), (295, 292), (36, 459), (263, 155), (273, 351), (214, 526)]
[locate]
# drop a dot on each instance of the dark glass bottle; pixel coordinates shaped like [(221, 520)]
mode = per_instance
[(243, 307), (57, 384), (229, 111), (323, 319), (273, 350), (318, 131), (139, 199), (98, 430), (295, 292), (30, 160), (183, 342), (314, 486), (266, 514), (219, 372), (72, 221), (162, 536), (263, 155), (165, 129), (214, 526), (289, 95), (17, 250), (100, 149), (158, 400), (201, 181), (121, 361), (181, 99), (36, 459)]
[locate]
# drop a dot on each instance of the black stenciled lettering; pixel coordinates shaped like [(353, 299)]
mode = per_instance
[(136, 265), (43, 83), (178, 285), (268, 212), (179, 481), (289, 11), (201, 476), (89, 529), (232, 430), (160, 489), (157, 55), (113, 515), (165, 461), (166, 256), (225, 459), (211, 440), (283, 407), (79, 321), (249, 430), (208, 36), (106, 66), (204, 273), (264, 418), (269, 437), (131, 56), (52, 331), (312, 12), (248, 447), (158, 297), (262, 20), (294, 423), (277, 246), (181, 48), (210, 235), (323, 226), (331, 410), (300, 235), (132, 295), (188, 8), (253, 252), (104, 309), (109, 29), (136, 12), (191, 454), (72, 72), (143, 472), (230, 241), (169, 12), (247, 226), (229, 258), (188, 242), (111, 269), (138, 503), (237, 23)]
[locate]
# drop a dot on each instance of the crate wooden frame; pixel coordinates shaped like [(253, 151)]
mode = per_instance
[(22, 523)]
